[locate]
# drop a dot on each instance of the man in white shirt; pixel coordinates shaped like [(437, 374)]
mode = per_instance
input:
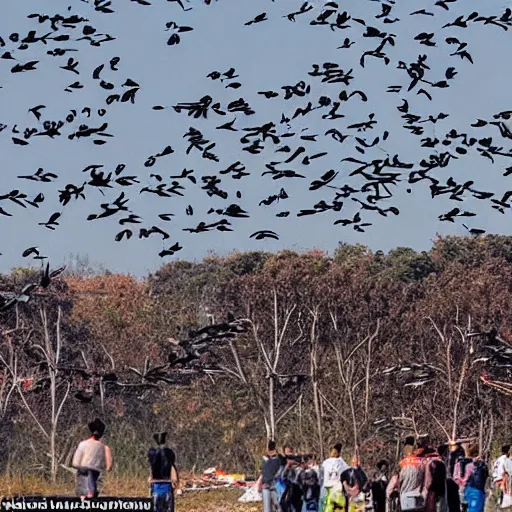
[(330, 473), (501, 475), (498, 468), (91, 458)]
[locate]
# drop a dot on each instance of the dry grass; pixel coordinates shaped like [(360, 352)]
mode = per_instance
[(224, 500)]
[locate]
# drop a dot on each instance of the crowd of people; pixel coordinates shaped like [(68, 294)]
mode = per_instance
[(452, 478)]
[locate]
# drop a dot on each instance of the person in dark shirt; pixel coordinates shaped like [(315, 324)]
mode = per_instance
[(379, 485), (272, 465), (291, 500), (435, 482), (456, 454), (452, 489), (310, 485), (354, 482), (162, 463)]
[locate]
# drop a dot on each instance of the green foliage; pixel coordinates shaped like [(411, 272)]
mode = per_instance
[(405, 264), (346, 253), (473, 251)]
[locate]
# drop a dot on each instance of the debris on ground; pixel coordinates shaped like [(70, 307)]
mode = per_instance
[(213, 478), (251, 495)]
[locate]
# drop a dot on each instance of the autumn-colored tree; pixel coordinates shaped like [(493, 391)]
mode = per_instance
[(117, 311), (312, 368)]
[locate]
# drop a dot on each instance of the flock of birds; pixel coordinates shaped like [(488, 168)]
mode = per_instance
[(62, 34), (487, 353), (374, 171)]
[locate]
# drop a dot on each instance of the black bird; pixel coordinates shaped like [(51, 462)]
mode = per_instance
[(36, 111), (258, 19), (171, 251), (52, 221), (260, 235)]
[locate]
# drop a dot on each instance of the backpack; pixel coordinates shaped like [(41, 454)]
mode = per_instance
[(309, 478), (438, 472), (478, 477), (161, 461)]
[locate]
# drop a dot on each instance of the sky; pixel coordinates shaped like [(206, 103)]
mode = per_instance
[(266, 56)]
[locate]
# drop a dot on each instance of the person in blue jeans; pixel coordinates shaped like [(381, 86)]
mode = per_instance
[(474, 480), (162, 462), (272, 466)]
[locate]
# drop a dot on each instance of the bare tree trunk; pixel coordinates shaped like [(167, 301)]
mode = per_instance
[(271, 407), (53, 453), (318, 420), (314, 381), (368, 372), (301, 432), (457, 398), (347, 383)]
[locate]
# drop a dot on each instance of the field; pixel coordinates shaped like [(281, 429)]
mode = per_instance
[(224, 500)]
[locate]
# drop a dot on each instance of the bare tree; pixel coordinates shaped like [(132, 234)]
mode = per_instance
[(350, 360), (272, 353), (51, 349), (455, 354), (256, 359), (314, 376)]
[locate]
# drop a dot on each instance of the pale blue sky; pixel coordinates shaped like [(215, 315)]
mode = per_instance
[(266, 56)]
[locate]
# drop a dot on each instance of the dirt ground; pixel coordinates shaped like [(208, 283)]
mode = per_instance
[(215, 501), (218, 500)]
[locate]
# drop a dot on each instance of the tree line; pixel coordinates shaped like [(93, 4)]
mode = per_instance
[(358, 347)]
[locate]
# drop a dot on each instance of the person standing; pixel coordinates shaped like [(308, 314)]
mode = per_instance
[(498, 473), (272, 464), (91, 458), (379, 484), (411, 479), (473, 480), (457, 453), (355, 485), (330, 474), (291, 500), (162, 463), (309, 483), (506, 486), (435, 482), (452, 489), (458, 475)]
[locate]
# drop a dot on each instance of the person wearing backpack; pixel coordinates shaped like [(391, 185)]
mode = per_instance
[(355, 484), (164, 477), (291, 499), (458, 475), (474, 480), (435, 482), (310, 486)]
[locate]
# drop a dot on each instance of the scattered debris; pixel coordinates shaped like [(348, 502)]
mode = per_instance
[(251, 495)]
